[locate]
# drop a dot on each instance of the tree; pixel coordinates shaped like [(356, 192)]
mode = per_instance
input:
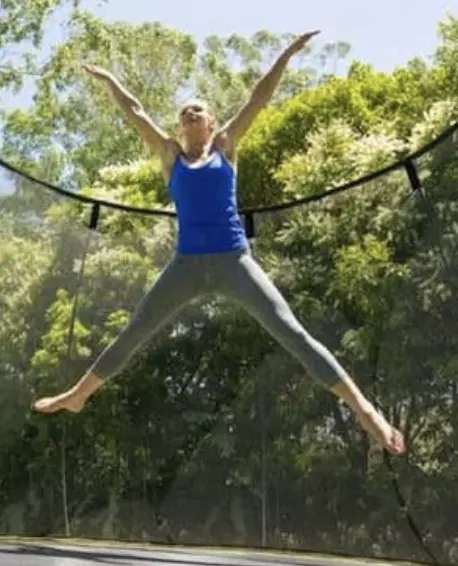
[(159, 65), (77, 114), (23, 27), (213, 433)]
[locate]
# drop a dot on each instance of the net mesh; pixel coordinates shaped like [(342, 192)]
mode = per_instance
[(213, 434)]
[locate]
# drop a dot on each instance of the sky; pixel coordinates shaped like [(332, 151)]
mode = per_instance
[(386, 33)]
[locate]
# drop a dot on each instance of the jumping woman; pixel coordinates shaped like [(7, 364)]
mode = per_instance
[(212, 252)]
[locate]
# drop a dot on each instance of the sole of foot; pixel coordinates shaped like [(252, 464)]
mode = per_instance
[(70, 403)]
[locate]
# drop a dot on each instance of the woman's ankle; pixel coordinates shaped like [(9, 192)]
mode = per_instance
[(349, 392), (87, 385)]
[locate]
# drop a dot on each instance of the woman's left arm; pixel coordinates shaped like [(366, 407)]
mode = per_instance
[(262, 93)]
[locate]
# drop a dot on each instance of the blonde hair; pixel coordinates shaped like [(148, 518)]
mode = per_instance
[(196, 102)]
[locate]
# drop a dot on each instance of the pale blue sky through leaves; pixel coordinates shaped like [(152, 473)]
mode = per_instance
[(385, 34)]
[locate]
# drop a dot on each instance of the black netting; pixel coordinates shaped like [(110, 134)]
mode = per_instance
[(213, 434)]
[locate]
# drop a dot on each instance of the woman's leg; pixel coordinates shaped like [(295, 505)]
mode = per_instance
[(176, 285), (247, 283)]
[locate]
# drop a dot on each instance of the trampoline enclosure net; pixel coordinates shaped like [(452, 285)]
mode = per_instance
[(213, 434)]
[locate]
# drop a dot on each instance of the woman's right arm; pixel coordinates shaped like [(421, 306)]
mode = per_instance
[(156, 139)]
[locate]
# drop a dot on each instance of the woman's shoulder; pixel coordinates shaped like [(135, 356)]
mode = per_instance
[(221, 144)]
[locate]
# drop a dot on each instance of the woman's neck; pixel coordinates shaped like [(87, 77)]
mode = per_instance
[(197, 150)]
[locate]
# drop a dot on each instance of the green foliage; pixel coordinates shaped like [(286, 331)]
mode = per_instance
[(23, 27), (54, 344), (367, 278), (76, 112), (212, 422)]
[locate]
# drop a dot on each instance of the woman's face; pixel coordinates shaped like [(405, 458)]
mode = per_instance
[(196, 122)]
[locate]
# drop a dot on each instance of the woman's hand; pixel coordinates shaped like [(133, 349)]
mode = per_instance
[(300, 42), (95, 71)]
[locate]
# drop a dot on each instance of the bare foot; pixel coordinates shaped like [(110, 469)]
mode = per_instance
[(69, 401), (386, 435)]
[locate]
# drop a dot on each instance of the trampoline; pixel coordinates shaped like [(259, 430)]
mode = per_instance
[(77, 555), (212, 437)]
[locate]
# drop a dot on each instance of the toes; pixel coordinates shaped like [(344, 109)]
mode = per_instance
[(45, 405), (397, 445), (387, 436)]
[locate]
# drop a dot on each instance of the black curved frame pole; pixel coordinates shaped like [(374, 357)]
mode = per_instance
[(403, 162)]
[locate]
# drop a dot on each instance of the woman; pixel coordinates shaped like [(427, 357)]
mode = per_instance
[(212, 251)]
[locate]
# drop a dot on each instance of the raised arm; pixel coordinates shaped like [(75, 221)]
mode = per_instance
[(157, 140), (236, 127)]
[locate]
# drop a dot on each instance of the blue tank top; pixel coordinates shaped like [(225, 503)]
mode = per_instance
[(205, 198)]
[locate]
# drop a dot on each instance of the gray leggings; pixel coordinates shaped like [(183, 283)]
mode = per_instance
[(236, 275)]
